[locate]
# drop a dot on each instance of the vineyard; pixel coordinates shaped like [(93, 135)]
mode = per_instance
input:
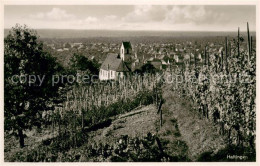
[(94, 103), (88, 108), (230, 100), (221, 90)]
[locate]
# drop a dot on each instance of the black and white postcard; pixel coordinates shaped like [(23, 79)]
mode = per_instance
[(142, 81)]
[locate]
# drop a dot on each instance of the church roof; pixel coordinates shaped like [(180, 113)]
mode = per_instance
[(113, 62)]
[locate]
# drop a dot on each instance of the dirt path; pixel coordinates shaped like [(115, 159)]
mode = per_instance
[(199, 134)]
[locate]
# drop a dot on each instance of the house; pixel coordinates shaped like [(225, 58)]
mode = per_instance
[(161, 50), (161, 56), (176, 58), (60, 50), (137, 64), (106, 50), (116, 65), (164, 63), (77, 45), (199, 57)]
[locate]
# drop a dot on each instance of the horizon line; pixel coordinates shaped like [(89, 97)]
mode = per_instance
[(135, 30)]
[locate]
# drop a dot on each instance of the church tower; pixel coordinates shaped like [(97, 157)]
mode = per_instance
[(125, 51)]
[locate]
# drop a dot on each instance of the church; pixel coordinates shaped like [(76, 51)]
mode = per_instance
[(116, 65)]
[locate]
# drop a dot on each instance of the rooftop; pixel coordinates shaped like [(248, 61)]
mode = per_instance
[(113, 62)]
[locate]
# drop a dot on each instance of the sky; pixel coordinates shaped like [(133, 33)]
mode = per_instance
[(132, 17)]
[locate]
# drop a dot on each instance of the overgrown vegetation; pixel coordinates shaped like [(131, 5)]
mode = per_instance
[(229, 101)]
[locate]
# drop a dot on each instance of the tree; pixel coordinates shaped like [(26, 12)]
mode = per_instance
[(148, 68), (80, 62), (25, 95)]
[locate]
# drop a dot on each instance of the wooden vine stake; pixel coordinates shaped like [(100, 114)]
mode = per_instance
[(226, 52), (195, 61), (249, 43), (222, 57), (238, 43), (205, 56), (160, 111)]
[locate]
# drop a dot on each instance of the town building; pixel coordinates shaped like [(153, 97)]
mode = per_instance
[(116, 65)]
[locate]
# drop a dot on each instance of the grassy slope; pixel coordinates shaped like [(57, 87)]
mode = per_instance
[(199, 134), (136, 123)]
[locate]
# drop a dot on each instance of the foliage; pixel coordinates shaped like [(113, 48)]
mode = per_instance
[(80, 62), (135, 149), (147, 68), (25, 99)]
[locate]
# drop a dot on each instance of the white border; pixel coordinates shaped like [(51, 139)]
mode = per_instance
[(123, 2)]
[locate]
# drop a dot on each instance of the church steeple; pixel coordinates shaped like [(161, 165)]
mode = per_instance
[(125, 50)]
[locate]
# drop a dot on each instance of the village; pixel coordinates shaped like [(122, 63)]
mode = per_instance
[(126, 57)]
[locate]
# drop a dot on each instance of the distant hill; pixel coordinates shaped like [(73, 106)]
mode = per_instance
[(67, 33)]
